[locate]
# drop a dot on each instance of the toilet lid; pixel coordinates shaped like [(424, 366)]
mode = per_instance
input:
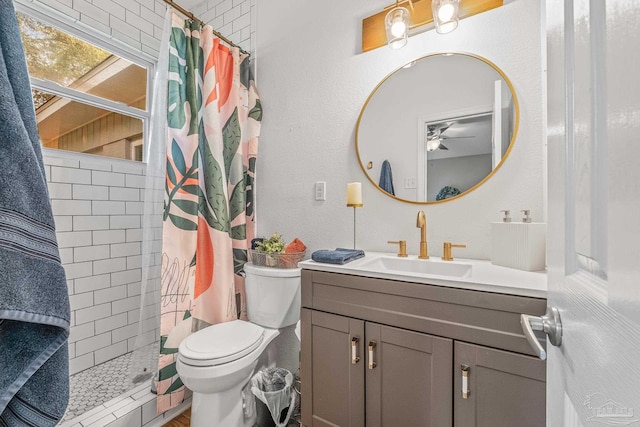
[(221, 343)]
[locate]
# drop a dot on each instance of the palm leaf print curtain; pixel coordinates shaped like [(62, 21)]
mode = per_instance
[(214, 116)]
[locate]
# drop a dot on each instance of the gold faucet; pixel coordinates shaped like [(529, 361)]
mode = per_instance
[(402, 247), (446, 250), (422, 224)]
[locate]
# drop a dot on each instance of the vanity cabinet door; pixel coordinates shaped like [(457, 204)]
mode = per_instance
[(504, 389), (332, 370), (408, 378)]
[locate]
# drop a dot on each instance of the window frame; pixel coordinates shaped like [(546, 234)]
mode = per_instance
[(82, 31)]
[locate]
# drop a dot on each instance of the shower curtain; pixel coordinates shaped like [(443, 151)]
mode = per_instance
[(213, 117)]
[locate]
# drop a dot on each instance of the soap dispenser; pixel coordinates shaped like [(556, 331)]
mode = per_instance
[(520, 245)]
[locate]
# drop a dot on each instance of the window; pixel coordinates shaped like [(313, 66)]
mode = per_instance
[(87, 98)]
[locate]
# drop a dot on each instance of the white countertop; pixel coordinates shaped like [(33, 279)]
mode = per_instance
[(483, 276)]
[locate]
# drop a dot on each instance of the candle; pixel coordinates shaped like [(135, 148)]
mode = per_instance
[(354, 194)]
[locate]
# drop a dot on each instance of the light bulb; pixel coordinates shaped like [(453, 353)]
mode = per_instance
[(445, 12), (398, 28), (433, 144)]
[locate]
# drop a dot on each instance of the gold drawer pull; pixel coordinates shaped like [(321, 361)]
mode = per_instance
[(354, 350), (465, 381), (372, 346)]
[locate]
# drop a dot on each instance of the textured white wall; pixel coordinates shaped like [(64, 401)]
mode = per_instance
[(313, 80)]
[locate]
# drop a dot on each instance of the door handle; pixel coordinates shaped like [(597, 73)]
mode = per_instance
[(372, 363), (354, 350), (550, 324)]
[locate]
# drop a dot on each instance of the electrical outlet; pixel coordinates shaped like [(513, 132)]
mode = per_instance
[(321, 191), (409, 183)]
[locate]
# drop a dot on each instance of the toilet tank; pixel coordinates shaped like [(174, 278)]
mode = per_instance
[(273, 295)]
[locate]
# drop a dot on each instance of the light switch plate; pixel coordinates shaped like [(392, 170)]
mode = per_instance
[(409, 183), (321, 191)]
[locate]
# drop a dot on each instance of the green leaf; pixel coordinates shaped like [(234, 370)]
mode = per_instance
[(167, 372), (256, 111), (231, 138), (178, 74), (237, 200), (194, 162), (239, 260), (218, 218), (178, 158), (176, 117), (166, 350), (187, 313), (171, 174), (194, 59), (187, 206), (248, 197), (192, 189), (178, 41), (239, 232), (183, 223), (193, 261), (205, 211), (174, 386), (245, 73)]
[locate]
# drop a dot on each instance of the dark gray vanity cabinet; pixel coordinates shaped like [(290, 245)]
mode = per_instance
[(384, 353), (333, 393), (403, 376), (503, 388), (408, 378)]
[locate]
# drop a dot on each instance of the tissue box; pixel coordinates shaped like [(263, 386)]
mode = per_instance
[(519, 245)]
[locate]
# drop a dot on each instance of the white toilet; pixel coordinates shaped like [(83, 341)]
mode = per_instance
[(217, 362)]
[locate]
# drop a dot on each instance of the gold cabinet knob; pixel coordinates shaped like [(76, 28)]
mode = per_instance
[(402, 247), (446, 250)]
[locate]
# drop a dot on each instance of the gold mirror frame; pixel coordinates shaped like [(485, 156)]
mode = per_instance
[(486, 178)]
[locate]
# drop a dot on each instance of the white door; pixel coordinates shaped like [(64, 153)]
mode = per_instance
[(594, 211), (500, 121)]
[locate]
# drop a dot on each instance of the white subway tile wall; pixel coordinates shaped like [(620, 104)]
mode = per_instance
[(97, 237)]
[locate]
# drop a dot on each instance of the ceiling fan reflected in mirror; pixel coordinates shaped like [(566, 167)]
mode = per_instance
[(435, 136)]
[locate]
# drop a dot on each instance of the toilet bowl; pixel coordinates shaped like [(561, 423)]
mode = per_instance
[(217, 362)]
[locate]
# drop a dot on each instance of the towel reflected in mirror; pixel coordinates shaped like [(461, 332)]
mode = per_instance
[(386, 178)]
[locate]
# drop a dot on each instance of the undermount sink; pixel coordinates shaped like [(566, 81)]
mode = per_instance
[(418, 266)]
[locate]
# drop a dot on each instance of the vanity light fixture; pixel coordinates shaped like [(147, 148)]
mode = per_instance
[(445, 15), (376, 32), (397, 24)]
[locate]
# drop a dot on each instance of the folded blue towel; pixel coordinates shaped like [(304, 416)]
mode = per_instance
[(34, 303), (337, 256)]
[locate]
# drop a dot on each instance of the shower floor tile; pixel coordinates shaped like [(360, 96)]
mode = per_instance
[(105, 383)]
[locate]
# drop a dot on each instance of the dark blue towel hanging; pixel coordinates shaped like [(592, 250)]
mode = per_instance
[(386, 178), (34, 302)]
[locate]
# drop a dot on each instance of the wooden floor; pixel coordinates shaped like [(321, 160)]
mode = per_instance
[(182, 420)]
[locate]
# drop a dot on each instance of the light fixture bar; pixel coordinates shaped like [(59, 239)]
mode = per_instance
[(373, 27)]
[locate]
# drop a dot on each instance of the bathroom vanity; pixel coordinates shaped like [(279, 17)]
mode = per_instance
[(386, 346)]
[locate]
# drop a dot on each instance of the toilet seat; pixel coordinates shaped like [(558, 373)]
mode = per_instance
[(221, 343)]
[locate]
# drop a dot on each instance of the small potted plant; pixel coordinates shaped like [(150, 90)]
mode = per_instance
[(270, 247)]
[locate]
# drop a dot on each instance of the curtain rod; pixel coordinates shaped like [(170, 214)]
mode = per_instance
[(191, 16)]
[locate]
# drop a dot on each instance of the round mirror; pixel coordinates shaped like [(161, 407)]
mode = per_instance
[(437, 128)]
